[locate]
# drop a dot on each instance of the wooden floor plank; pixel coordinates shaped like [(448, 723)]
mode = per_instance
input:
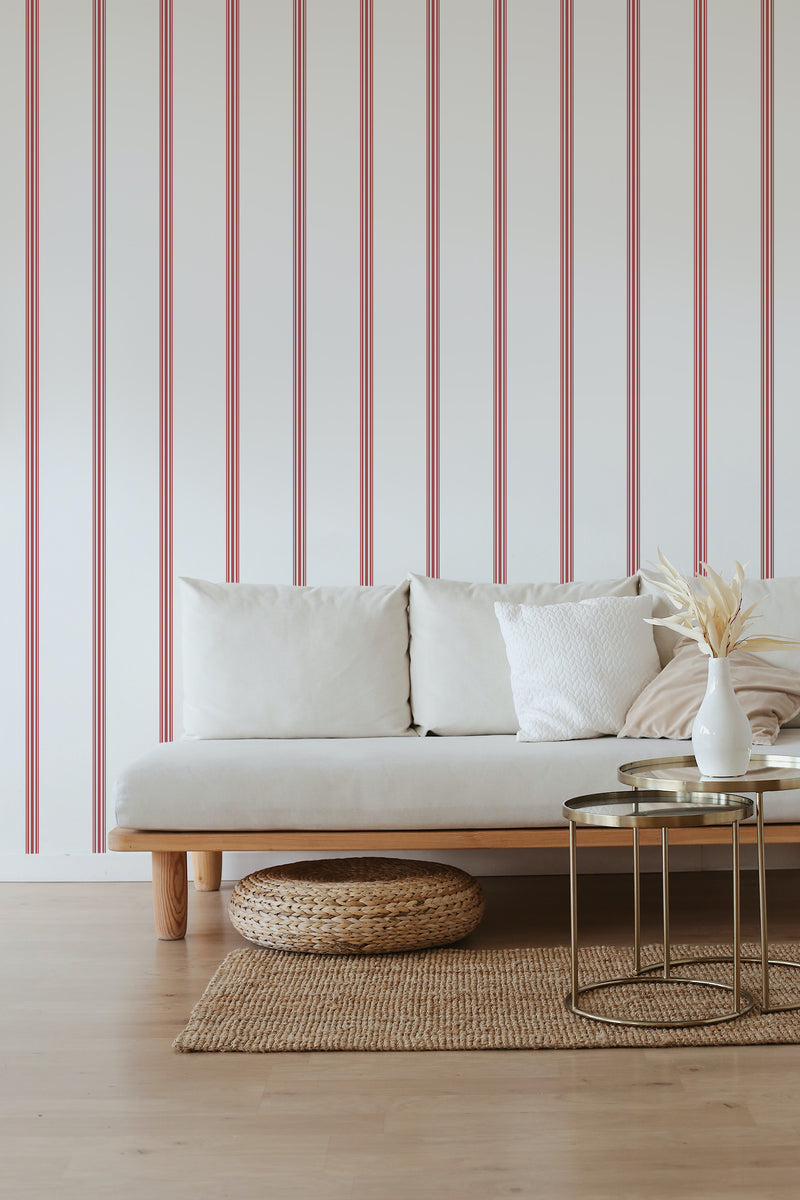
[(94, 1103)]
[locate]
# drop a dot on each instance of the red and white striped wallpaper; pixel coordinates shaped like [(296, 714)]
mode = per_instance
[(323, 291)]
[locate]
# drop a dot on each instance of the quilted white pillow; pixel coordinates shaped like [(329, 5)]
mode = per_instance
[(270, 661), (459, 670), (577, 668)]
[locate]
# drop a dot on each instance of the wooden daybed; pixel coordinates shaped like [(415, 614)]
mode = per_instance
[(169, 850)]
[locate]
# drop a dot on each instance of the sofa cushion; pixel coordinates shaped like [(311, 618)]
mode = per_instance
[(460, 679), (666, 640), (383, 783), (577, 668), (779, 614), (270, 661), (769, 694)]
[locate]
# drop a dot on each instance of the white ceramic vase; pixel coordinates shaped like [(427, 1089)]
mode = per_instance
[(721, 735)]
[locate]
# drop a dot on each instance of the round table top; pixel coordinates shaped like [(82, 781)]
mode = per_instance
[(656, 809), (679, 773)]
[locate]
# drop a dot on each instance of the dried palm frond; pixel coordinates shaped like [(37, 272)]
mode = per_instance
[(714, 620)]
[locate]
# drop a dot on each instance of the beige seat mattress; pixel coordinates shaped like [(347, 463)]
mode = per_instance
[(492, 782)]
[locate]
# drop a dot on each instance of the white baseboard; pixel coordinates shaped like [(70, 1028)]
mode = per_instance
[(73, 868), (77, 868)]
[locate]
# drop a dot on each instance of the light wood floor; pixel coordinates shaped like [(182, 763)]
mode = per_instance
[(94, 1103)]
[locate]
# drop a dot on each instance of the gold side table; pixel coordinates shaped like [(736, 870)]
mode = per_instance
[(766, 773), (648, 809)]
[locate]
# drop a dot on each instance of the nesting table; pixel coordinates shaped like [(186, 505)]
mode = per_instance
[(767, 773), (664, 810)]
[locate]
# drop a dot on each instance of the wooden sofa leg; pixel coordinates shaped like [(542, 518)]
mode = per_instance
[(207, 870), (170, 893)]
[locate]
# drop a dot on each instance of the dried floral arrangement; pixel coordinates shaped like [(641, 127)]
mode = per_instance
[(712, 615)]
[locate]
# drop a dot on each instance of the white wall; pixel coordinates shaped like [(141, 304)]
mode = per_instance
[(67, 718)]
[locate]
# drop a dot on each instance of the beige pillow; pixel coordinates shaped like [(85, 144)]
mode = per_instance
[(667, 707)]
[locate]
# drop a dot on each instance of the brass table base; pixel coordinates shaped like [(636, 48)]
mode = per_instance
[(728, 958), (746, 1001), (641, 811), (766, 773)]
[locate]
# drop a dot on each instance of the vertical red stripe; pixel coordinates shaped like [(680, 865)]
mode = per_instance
[(366, 214), (299, 289), (99, 427), (767, 289), (165, 371), (432, 456), (500, 293), (633, 556), (567, 309), (700, 286), (232, 294), (32, 427)]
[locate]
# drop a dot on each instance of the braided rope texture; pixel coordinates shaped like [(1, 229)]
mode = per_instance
[(465, 999), (356, 906)]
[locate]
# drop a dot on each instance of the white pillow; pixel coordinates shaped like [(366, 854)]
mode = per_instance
[(779, 614), (666, 640), (577, 668), (270, 661), (459, 671)]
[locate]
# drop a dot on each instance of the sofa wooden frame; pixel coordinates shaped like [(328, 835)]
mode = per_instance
[(169, 849)]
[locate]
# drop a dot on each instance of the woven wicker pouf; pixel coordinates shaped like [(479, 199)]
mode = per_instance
[(356, 906)]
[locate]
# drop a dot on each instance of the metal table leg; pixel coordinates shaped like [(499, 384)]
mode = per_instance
[(637, 907), (573, 912), (737, 918), (665, 896), (766, 961), (762, 904)]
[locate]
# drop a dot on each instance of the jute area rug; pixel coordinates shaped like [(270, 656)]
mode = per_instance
[(273, 1000)]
